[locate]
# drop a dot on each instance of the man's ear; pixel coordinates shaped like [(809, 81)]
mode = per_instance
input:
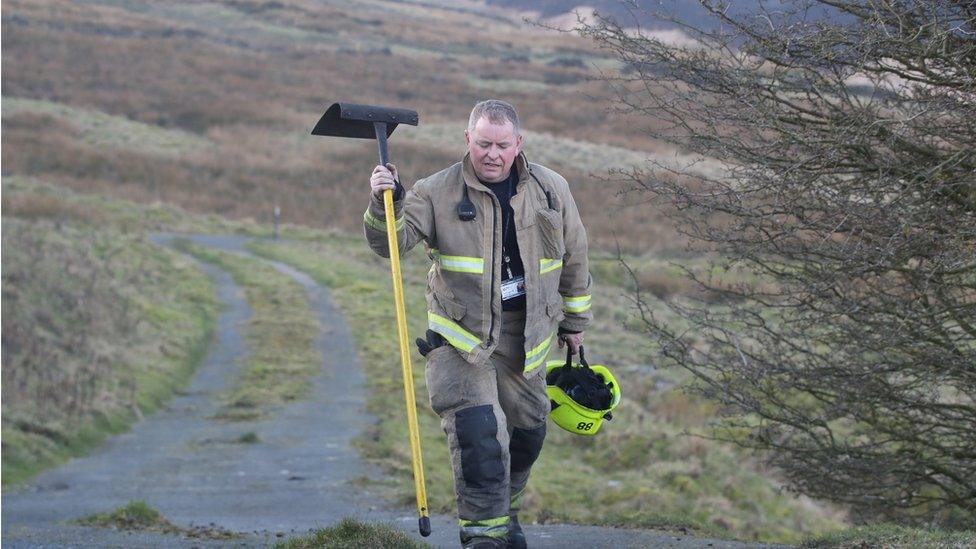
[(518, 144), (467, 138)]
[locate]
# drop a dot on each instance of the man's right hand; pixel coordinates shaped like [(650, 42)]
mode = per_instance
[(384, 177)]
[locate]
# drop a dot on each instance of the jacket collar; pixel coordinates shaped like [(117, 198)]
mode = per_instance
[(471, 179)]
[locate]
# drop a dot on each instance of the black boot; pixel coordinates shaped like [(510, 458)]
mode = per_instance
[(484, 543), (516, 538)]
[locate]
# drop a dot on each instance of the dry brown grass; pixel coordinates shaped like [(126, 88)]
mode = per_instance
[(49, 207), (248, 80)]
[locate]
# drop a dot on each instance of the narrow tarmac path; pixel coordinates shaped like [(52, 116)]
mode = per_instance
[(301, 474)]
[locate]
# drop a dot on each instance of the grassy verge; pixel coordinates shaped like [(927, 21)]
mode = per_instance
[(31, 199), (893, 536), (361, 285), (644, 469), (353, 534), (137, 515), (99, 328), (280, 335)]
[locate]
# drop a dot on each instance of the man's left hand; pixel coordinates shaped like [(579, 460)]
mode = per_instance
[(573, 340)]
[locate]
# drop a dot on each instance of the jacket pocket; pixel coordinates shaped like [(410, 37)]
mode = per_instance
[(451, 307), (554, 307), (444, 385), (551, 230)]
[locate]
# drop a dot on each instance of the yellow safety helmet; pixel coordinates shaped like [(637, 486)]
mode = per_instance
[(567, 412)]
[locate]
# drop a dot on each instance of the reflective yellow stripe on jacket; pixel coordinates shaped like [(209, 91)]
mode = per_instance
[(459, 263), (537, 355), (457, 336), (576, 304), (546, 265), (380, 224)]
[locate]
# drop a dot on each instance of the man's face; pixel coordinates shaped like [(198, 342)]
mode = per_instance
[(493, 149)]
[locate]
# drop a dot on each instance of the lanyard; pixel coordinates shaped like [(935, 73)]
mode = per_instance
[(506, 259)]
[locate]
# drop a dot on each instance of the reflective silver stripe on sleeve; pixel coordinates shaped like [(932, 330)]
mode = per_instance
[(576, 304), (452, 332)]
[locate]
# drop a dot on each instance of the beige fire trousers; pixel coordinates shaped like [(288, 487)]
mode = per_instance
[(495, 421)]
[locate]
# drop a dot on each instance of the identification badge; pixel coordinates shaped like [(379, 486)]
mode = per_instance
[(513, 287)]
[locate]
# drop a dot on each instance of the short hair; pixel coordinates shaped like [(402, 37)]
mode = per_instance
[(497, 112)]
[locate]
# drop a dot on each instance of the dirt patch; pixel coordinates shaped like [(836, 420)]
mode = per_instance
[(137, 515)]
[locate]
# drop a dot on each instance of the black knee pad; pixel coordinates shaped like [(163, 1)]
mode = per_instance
[(481, 454), (525, 447)]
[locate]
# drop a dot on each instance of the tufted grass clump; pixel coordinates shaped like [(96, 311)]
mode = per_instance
[(354, 534)]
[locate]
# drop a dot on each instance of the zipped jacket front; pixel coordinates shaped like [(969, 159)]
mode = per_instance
[(464, 282)]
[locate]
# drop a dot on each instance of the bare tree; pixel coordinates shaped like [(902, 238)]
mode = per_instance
[(848, 130)]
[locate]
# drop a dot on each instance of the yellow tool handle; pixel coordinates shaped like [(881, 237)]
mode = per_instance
[(408, 391)]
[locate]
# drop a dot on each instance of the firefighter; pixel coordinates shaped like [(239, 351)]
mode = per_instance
[(509, 276)]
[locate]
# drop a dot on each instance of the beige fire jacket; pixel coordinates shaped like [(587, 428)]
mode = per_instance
[(464, 283)]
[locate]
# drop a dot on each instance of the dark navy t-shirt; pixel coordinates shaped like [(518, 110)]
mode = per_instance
[(503, 192)]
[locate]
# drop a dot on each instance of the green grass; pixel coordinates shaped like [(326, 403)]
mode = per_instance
[(360, 283), (280, 336), (32, 199), (893, 536), (137, 515), (102, 130), (120, 318), (99, 328), (643, 470), (351, 534), (31, 446), (248, 438)]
